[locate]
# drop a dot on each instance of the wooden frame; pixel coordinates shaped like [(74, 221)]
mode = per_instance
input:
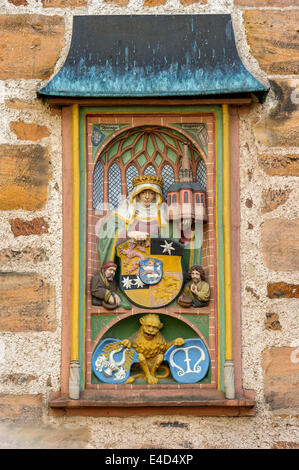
[(91, 403)]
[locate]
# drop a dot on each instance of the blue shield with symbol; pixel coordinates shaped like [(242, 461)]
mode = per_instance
[(151, 270), (97, 136), (111, 361), (188, 363)]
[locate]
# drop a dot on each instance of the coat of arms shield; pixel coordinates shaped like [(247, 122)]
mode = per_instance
[(111, 362), (151, 273), (188, 363)]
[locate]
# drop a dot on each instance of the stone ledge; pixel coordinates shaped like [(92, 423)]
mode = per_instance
[(153, 401)]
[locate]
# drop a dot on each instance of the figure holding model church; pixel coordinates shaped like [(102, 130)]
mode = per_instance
[(153, 241)]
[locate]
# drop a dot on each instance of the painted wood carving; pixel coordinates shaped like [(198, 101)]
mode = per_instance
[(150, 200), (185, 360), (152, 235), (196, 291)]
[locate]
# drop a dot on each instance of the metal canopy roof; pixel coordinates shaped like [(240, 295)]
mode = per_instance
[(152, 56)]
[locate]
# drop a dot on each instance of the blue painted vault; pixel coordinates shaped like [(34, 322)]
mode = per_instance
[(152, 56)]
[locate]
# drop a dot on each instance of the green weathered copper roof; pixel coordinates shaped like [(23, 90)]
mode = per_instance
[(152, 56)]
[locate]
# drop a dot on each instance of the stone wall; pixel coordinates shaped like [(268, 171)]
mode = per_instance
[(34, 40)]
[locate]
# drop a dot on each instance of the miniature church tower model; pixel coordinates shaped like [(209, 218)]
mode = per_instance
[(186, 199)]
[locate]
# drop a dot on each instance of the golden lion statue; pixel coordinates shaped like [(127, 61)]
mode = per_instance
[(151, 346)]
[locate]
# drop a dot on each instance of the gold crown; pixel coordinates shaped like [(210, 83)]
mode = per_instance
[(147, 179)]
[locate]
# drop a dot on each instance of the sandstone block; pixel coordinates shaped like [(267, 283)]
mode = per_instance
[(30, 254), (17, 379), (24, 175), (19, 435), (279, 165), (21, 407), (279, 128), (63, 3), (29, 131), (272, 321), (282, 290), (153, 3), (26, 303), (16, 103), (266, 3), (273, 198), (281, 378), (280, 244), (190, 2), (273, 39), (19, 3), (121, 3), (29, 45), (37, 226), (285, 445)]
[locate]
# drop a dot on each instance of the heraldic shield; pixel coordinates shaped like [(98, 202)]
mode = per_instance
[(188, 363), (111, 362), (151, 273)]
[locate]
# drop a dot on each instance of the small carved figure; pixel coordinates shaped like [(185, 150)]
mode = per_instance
[(103, 287), (196, 292), (151, 346)]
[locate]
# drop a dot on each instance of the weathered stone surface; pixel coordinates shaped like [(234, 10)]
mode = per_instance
[(63, 3), (285, 445), (153, 3), (121, 3), (272, 322), (280, 165), (18, 3), (24, 175), (282, 290), (281, 378), (266, 3), (252, 292), (17, 379), (280, 244), (34, 436), (280, 127), (37, 226), (190, 2), (273, 39), (26, 303), (35, 255), (273, 198), (249, 203), (21, 407), (29, 131), (16, 103), (29, 45)]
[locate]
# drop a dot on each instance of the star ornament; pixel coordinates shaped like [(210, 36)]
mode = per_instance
[(127, 283), (167, 247), (138, 282)]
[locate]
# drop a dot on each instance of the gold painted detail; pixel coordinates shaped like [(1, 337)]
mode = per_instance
[(110, 347), (151, 346), (147, 179), (167, 289)]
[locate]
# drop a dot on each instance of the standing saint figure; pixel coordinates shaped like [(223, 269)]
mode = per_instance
[(141, 215)]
